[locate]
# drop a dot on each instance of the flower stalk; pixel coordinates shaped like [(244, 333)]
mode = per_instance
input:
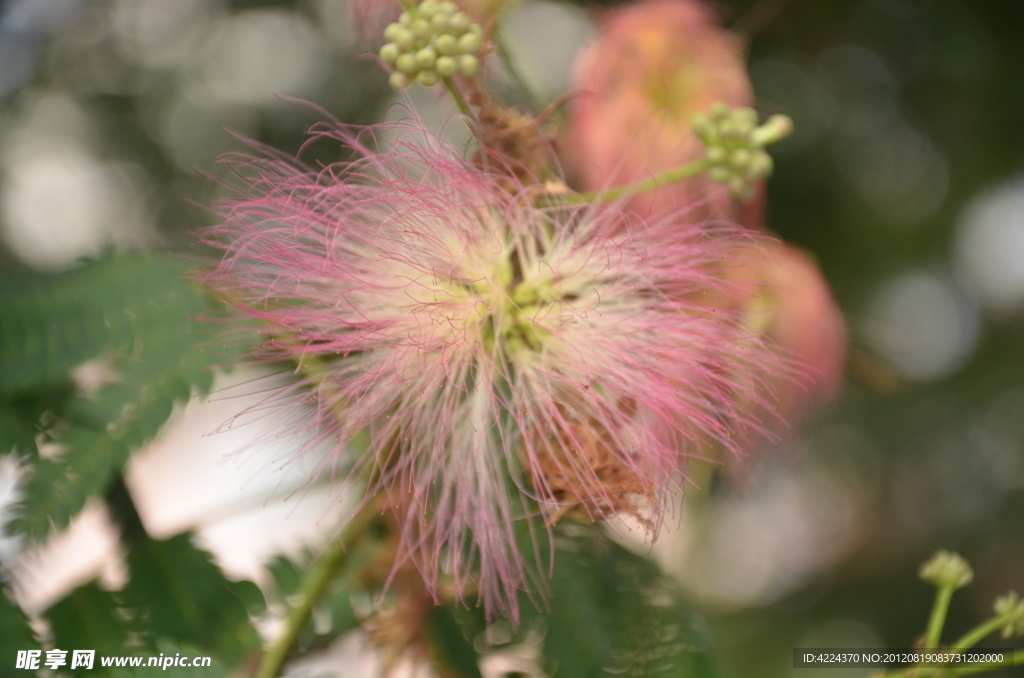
[(734, 155), (317, 578)]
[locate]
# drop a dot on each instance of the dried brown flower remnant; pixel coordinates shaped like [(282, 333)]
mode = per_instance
[(585, 473)]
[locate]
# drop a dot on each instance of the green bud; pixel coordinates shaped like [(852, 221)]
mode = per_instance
[(448, 7), (389, 53), (744, 125), (468, 65), (426, 57), (946, 570), (469, 43), (422, 29), (719, 173), (404, 39), (740, 158), (446, 44), (428, 7), (777, 128), (477, 29), (405, 19), (461, 22), (715, 155), (701, 127), (391, 32), (428, 78), (440, 22), (720, 111), (406, 63), (727, 129), (745, 117), (1011, 608), (445, 66), (761, 165), (399, 80)]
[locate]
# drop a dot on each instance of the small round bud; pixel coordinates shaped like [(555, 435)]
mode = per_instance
[(947, 570), (391, 32), (719, 173), (446, 44), (428, 78), (426, 57), (448, 7), (445, 66), (440, 22), (740, 158), (461, 22), (468, 65), (469, 43), (761, 165), (406, 63), (745, 116), (777, 128), (389, 53), (428, 7), (727, 129), (743, 126), (720, 111), (476, 29), (405, 19), (701, 126), (716, 155), (1011, 608), (399, 80), (404, 39), (422, 29)]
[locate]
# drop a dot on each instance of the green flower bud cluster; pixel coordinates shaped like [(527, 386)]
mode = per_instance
[(1011, 609), (431, 41), (735, 145), (947, 570)]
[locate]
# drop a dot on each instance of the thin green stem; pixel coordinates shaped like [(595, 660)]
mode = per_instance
[(657, 181), (313, 586), (460, 101), (938, 617), (971, 638)]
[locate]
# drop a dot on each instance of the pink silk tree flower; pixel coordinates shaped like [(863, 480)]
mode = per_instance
[(637, 86), (793, 305), (478, 359)]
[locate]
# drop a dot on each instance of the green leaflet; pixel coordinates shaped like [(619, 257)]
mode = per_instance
[(612, 610), (15, 633), (50, 323), (176, 596), (179, 593), (451, 649), (608, 612), (139, 314), (89, 618)]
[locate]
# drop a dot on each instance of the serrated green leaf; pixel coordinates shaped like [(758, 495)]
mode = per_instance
[(50, 323), (89, 618), (614, 611), (450, 649), (15, 633), (182, 595), (141, 315)]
